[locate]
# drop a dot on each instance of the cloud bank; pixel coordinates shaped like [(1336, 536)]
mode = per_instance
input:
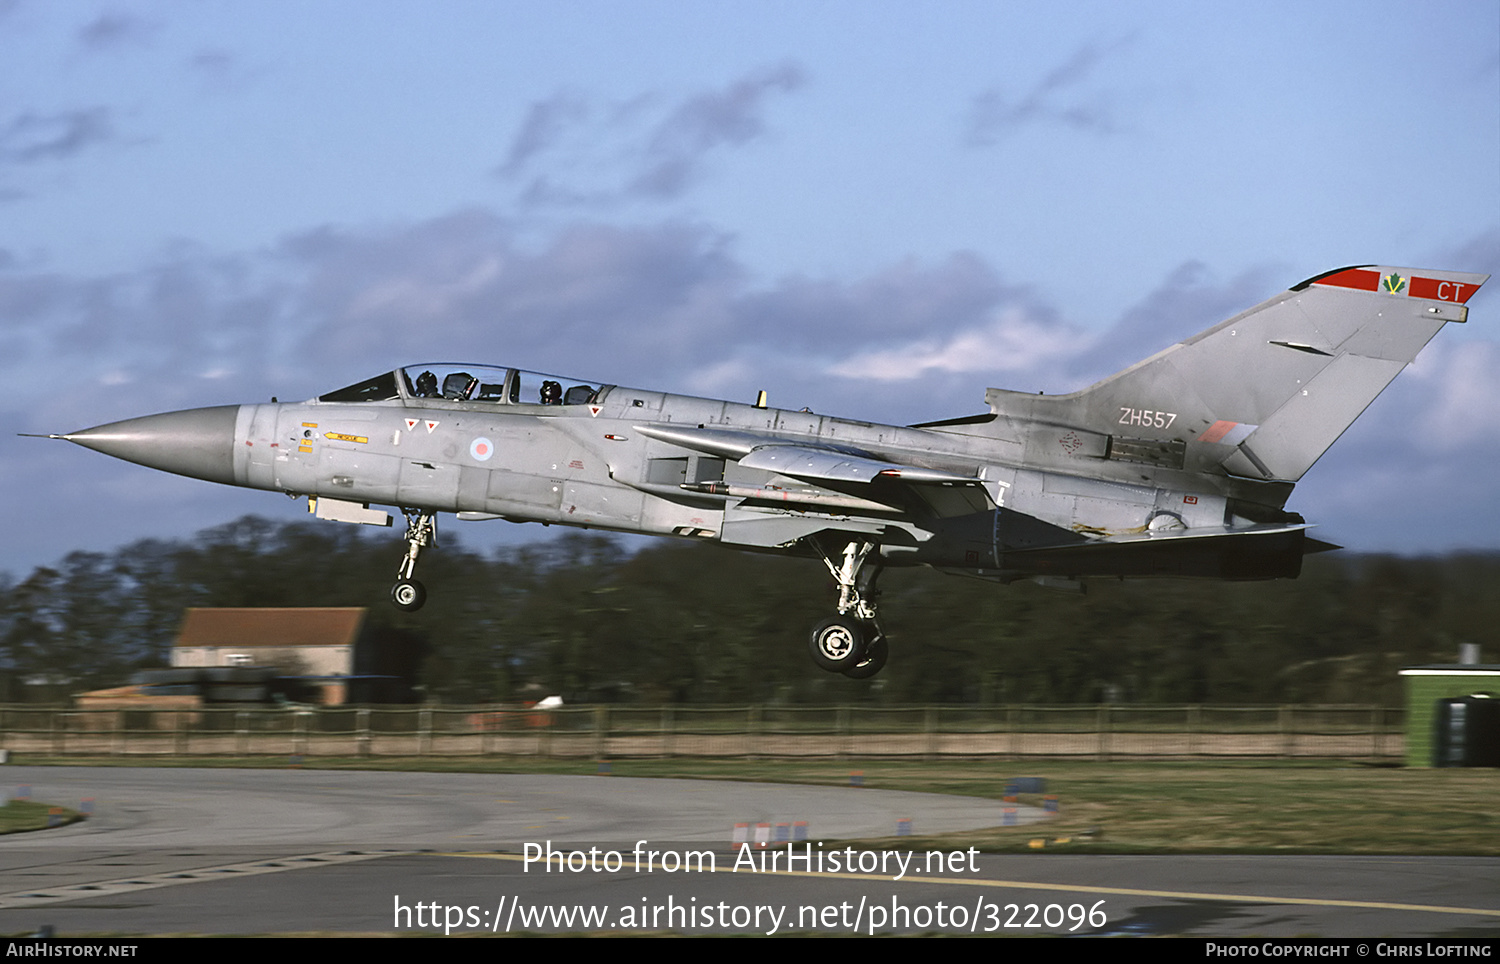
[(665, 305)]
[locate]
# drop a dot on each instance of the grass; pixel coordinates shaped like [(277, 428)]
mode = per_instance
[(19, 816), (1166, 808)]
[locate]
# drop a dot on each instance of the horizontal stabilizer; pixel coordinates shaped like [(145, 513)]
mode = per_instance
[(1258, 552), (1187, 535)]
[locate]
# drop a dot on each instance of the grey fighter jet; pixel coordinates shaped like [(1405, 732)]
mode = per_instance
[(1180, 465)]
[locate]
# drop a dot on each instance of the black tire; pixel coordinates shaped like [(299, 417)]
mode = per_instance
[(408, 595), (837, 644), (877, 651)]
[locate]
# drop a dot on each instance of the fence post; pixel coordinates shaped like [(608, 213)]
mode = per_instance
[(242, 732), (601, 730), (930, 727), (752, 732), (666, 730), (424, 731), (362, 731), (1103, 727), (1284, 725), (299, 733), (1194, 723), (842, 725)]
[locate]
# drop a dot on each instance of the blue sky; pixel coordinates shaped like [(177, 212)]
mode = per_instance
[(873, 209)]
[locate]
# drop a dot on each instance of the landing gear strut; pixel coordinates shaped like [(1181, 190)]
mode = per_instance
[(421, 531), (851, 643)]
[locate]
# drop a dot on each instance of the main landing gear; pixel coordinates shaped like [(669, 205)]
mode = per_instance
[(421, 531), (851, 643)]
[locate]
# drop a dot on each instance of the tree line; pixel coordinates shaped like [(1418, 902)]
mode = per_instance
[(583, 618)]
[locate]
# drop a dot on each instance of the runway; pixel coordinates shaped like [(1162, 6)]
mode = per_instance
[(214, 851)]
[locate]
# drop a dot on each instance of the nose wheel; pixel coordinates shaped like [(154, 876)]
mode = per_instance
[(421, 531), (408, 595)]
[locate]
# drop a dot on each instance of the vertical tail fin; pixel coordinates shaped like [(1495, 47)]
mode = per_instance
[(1264, 394)]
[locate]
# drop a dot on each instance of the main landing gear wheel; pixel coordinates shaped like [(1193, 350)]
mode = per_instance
[(877, 651), (837, 644), (408, 595), (851, 643)]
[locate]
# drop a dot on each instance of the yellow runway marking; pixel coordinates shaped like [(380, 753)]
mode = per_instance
[(1071, 888)]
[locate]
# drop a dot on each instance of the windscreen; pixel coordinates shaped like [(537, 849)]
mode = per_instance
[(376, 389)]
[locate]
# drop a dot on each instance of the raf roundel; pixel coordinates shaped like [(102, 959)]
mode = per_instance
[(481, 449)]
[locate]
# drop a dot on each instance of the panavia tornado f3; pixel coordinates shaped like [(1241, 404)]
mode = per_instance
[(1180, 465)]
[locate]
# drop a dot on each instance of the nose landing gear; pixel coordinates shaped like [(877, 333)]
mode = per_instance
[(421, 531)]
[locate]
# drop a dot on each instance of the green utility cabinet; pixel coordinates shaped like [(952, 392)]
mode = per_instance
[(1429, 686)]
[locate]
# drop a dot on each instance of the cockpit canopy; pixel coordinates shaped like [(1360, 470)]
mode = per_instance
[(469, 383)]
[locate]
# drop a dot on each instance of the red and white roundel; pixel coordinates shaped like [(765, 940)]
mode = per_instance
[(481, 449)]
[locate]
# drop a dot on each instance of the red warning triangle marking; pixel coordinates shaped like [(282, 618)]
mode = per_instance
[(594, 410), (431, 424), (411, 423)]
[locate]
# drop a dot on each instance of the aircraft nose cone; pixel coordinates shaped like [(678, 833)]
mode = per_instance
[(198, 443)]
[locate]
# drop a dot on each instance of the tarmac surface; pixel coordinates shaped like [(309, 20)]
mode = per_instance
[(217, 851)]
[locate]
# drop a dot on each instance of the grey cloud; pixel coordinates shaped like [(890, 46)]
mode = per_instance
[(665, 305), (1054, 99), (219, 71), (152, 339), (216, 62), (570, 150), (30, 137), (28, 299), (593, 296), (905, 301), (114, 29), (545, 123), (732, 116)]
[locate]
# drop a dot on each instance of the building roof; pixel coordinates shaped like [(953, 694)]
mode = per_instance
[(324, 626)]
